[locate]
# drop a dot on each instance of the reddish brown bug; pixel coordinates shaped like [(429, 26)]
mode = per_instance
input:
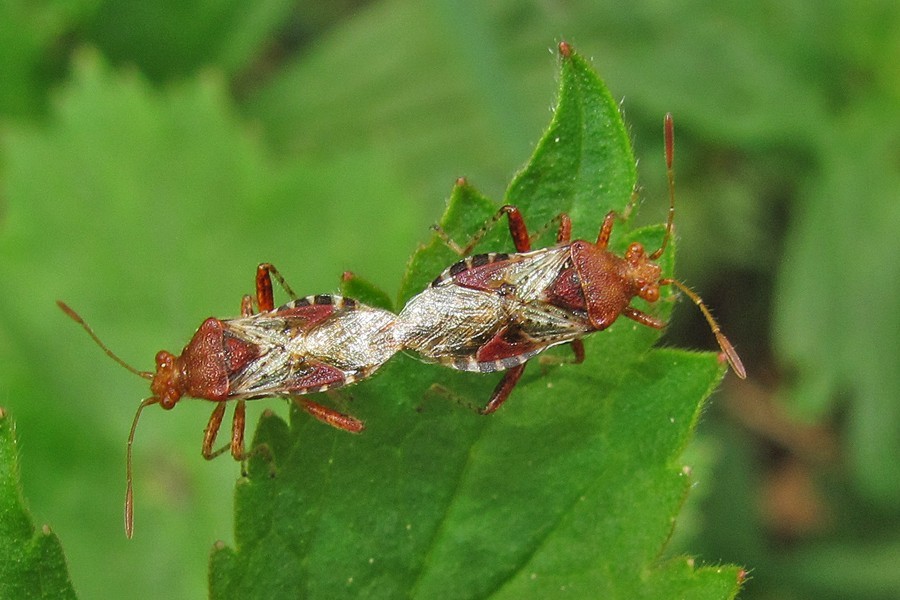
[(493, 312), (308, 345)]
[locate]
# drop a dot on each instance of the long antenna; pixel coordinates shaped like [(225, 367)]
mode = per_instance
[(730, 353), (129, 493), (669, 134), (77, 318)]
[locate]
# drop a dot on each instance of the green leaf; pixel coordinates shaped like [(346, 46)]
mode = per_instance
[(583, 164), (571, 489), (32, 564)]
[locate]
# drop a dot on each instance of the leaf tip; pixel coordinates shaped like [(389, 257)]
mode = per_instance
[(565, 49)]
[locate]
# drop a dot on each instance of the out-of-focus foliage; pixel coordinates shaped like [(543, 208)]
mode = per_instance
[(321, 124)]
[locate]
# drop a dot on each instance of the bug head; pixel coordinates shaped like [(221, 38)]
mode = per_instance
[(638, 274), (166, 384), (643, 272)]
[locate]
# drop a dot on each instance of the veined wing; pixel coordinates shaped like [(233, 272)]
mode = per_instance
[(477, 330), (524, 275), (311, 345)]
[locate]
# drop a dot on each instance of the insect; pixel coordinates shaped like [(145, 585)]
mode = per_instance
[(493, 312), (308, 345)]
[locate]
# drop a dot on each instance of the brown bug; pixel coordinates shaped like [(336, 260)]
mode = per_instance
[(493, 312), (308, 345)]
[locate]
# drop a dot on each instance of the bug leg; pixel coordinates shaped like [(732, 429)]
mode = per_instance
[(577, 347), (264, 296), (643, 318), (563, 224), (503, 389), (265, 299), (238, 424), (498, 397), (629, 208), (606, 229), (247, 306), (263, 451), (517, 230), (330, 416), (212, 430), (437, 389), (236, 444), (564, 233), (258, 449)]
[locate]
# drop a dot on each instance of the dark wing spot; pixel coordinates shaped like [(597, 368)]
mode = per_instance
[(481, 259), (458, 268)]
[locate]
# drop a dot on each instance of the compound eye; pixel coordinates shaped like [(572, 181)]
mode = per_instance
[(650, 293), (169, 399)]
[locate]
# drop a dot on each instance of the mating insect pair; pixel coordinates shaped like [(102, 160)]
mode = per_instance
[(486, 313), (493, 312), (308, 345)]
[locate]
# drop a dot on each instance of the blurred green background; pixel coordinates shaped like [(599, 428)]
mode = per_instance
[(151, 154)]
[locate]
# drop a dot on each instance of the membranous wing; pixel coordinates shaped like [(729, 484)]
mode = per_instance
[(310, 345), (486, 313)]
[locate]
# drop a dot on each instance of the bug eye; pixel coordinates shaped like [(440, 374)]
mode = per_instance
[(650, 293), (168, 399)]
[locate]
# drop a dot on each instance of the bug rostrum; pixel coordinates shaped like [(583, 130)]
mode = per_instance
[(493, 312), (305, 346)]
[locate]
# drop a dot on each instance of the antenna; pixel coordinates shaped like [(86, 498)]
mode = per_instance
[(77, 318), (129, 493), (730, 353), (669, 134)]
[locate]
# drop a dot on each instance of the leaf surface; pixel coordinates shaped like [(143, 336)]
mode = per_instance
[(32, 564)]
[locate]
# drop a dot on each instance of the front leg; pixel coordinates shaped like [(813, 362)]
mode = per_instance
[(211, 431), (517, 229), (643, 318)]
